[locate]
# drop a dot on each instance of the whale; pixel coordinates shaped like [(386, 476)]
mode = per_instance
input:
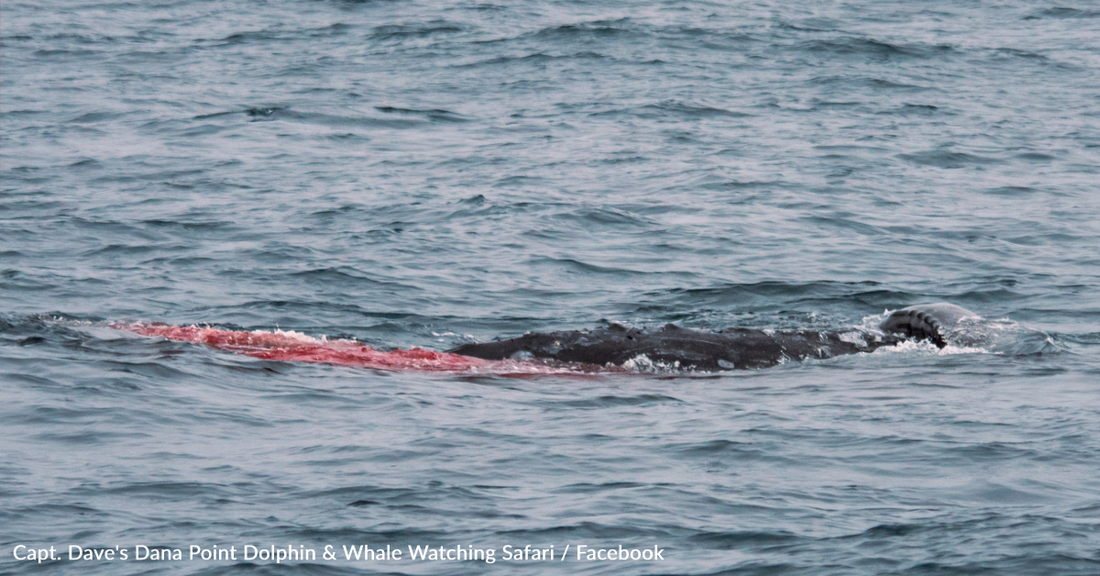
[(729, 349), (611, 349)]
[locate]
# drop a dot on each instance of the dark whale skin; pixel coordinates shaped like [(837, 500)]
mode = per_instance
[(730, 349), (734, 348)]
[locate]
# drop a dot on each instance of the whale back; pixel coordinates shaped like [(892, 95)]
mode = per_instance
[(926, 321), (733, 348)]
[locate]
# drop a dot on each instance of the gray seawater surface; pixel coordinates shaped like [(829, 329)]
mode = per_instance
[(423, 174)]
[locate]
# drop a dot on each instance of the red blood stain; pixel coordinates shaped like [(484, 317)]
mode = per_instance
[(296, 347)]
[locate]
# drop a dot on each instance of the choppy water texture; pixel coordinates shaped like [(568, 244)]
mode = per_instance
[(410, 174)]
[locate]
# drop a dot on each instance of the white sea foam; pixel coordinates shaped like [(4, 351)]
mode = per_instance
[(642, 363)]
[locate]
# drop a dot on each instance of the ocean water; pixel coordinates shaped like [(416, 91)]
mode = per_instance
[(419, 174)]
